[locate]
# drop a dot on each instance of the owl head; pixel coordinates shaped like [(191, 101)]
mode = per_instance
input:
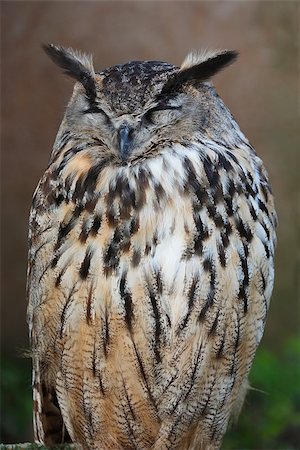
[(135, 109)]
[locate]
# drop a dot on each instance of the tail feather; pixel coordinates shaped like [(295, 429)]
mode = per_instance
[(48, 425)]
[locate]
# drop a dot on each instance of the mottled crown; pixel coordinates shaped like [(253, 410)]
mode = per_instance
[(138, 80)]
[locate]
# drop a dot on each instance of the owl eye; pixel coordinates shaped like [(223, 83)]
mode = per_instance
[(94, 109), (161, 115)]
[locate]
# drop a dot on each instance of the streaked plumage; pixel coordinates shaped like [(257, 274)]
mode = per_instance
[(151, 260)]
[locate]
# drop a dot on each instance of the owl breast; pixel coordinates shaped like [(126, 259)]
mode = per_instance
[(154, 282)]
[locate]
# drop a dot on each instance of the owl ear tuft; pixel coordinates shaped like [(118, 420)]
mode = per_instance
[(75, 64), (199, 68)]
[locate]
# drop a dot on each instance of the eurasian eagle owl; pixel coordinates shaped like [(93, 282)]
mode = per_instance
[(151, 259)]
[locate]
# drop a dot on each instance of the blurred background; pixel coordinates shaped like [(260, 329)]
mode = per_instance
[(261, 90)]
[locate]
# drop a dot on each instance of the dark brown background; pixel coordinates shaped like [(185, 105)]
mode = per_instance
[(260, 89)]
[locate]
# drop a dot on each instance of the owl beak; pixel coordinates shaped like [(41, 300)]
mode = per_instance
[(125, 139)]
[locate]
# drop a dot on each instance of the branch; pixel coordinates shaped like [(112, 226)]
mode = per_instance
[(29, 446)]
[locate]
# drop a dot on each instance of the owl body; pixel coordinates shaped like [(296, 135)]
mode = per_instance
[(150, 263)]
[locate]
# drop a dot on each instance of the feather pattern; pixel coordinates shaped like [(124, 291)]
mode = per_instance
[(149, 285)]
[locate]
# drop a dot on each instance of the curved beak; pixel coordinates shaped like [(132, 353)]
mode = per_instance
[(125, 139)]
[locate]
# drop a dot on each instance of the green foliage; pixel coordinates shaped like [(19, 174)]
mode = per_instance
[(16, 403), (22, 447), (271, 415)]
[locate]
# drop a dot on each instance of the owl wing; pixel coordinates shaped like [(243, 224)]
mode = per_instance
[(47, 419), (148, 293), (224, 291)]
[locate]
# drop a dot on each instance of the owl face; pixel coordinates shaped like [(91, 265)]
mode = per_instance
[(132, 107), (126, 123)]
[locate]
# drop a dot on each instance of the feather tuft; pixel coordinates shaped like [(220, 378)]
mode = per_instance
[(197, 57), (193, 71), (76, 64)]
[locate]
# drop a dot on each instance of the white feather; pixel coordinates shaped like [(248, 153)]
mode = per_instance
[(194, 58)]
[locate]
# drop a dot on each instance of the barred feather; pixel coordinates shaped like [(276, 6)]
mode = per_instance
[(149, 278)]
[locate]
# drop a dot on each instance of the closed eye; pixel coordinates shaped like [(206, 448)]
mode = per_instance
[(94, 109), (163, 108), (162, 114)]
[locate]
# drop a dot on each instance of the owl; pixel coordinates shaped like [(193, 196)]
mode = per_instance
[(151, 244)]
